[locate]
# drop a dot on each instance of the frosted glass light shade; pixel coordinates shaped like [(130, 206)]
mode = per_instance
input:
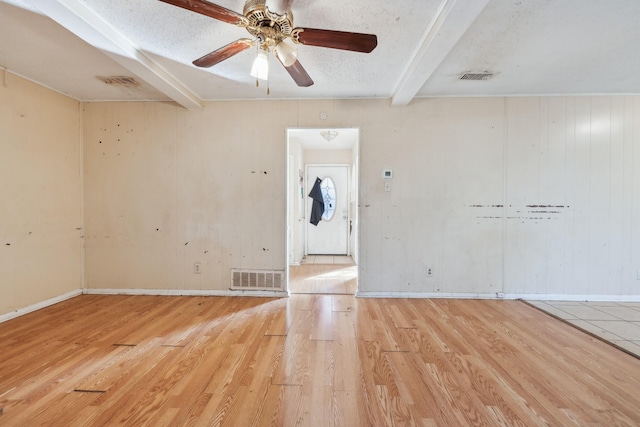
[(286, 53), (260, 68)]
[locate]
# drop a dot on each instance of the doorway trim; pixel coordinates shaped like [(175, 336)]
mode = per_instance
[(295, 215)]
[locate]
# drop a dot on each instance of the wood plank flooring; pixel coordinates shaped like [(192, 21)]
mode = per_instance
[(314, 278), (308, 360)]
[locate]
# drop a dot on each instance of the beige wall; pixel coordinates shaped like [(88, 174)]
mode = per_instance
[(166, 187), (328, 156), (40, 189), (523, 196), (519, 195)]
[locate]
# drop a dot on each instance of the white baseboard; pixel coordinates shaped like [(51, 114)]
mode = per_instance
[(426, 295), (531, 297), (37, 306), (188, 292)]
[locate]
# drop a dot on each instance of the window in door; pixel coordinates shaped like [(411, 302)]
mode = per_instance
[(328, 188)]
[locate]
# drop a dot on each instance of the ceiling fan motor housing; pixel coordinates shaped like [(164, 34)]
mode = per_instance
[(269, 27)]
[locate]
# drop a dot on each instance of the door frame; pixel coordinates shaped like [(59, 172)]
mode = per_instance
[(353, 238)]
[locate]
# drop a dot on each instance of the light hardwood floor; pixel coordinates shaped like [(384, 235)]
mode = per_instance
[(312, 278), (310, 360)]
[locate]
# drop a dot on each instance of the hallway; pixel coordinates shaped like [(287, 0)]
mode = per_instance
[(324, 274)]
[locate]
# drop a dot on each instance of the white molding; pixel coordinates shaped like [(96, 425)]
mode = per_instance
[(426, 295), (530, 297), (37, 306), (188, 292)]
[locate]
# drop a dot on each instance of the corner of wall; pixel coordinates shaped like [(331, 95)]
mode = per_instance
[(83, 284)]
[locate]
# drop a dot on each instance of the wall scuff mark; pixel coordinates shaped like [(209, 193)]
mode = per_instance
[(535, 212)]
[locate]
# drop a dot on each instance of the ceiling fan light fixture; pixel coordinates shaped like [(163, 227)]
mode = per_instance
[(270, 25), (260, 68), (286, 53)]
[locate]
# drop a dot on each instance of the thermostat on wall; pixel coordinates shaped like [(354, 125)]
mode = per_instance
[(387, 173)]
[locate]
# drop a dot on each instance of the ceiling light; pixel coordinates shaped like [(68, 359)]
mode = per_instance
[(260, 68), (329, 135), (286, 53), (278, 6)]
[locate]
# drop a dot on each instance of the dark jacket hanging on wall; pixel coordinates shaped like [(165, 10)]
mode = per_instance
[(318, 203)]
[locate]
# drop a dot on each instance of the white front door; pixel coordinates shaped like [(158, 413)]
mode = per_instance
[(330, 236)]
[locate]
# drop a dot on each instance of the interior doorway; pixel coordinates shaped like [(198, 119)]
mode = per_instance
[(322, 257)]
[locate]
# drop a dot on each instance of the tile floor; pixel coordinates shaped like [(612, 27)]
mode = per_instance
[(615, 322)]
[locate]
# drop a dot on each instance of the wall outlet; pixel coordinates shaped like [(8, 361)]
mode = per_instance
[(387, 186), (429, 272), (197, 268)]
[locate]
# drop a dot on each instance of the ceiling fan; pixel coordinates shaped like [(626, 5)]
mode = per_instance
[(270, 22)]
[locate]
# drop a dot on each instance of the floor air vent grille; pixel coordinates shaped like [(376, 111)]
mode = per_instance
[(257, 280)]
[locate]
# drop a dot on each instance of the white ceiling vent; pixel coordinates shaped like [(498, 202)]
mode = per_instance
[(476, 76), (119, 80)]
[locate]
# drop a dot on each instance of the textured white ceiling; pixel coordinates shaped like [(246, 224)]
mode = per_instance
[(546, 47), (532, 47)]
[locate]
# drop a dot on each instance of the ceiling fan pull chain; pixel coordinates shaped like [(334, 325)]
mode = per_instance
[(257, 53)]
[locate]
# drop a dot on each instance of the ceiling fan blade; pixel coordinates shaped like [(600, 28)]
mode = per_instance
[(356, 42), (223, 53), (208, 9), (298, 73)]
